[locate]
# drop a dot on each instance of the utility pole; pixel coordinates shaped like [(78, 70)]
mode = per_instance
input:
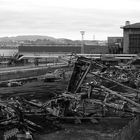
[(82, 45)]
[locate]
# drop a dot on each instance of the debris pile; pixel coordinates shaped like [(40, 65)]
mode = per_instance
[(91, 94)]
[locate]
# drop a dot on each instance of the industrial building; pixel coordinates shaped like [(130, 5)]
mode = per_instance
[(43, 49), (61, 49), (96, 49), (115, 45), (131, 34)]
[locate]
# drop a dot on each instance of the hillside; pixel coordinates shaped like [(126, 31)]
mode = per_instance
[(38, 39), (26, 37), (34, 39)]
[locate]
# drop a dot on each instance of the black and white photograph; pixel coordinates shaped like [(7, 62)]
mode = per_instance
[(69, 70)]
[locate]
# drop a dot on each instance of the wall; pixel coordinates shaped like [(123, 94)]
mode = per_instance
[(22, 73), (126, 34), (95, 49), (36, 49), (50, 48)]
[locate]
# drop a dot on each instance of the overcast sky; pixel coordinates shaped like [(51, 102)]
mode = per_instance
[(66, 18)]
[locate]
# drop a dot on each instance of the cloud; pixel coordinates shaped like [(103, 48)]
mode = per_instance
[(28, 17)]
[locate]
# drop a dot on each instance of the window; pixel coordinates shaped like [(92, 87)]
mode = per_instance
[(134, 43)]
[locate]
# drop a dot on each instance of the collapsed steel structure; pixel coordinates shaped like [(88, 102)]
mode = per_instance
[(92, 93)]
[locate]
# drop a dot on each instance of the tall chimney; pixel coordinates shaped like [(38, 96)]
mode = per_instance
[(127, 23)]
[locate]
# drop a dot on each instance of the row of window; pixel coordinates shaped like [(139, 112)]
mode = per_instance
[(134, 43)]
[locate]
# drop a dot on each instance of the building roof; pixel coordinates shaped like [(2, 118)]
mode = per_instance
[(132, 26)]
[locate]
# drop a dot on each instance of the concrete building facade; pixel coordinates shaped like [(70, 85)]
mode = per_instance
[(131, 34)]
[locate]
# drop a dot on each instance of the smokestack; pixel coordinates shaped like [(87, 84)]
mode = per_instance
[(127, 23)]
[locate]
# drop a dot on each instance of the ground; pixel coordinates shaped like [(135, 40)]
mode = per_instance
[(70, 131), (34, 90)]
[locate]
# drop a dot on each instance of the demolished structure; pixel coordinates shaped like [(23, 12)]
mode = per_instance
[(92, 94)]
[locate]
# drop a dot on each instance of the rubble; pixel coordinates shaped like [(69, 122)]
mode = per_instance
[(88, 96), (58, 74)]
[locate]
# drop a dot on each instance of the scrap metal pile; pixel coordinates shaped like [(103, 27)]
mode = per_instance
[(92, 93)]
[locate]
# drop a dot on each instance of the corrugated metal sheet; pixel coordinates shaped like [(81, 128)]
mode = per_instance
[(50, 49), (88, 49)]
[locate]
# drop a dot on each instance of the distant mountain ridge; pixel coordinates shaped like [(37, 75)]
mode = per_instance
[(35, 39), (26, 37), (39, 39)]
